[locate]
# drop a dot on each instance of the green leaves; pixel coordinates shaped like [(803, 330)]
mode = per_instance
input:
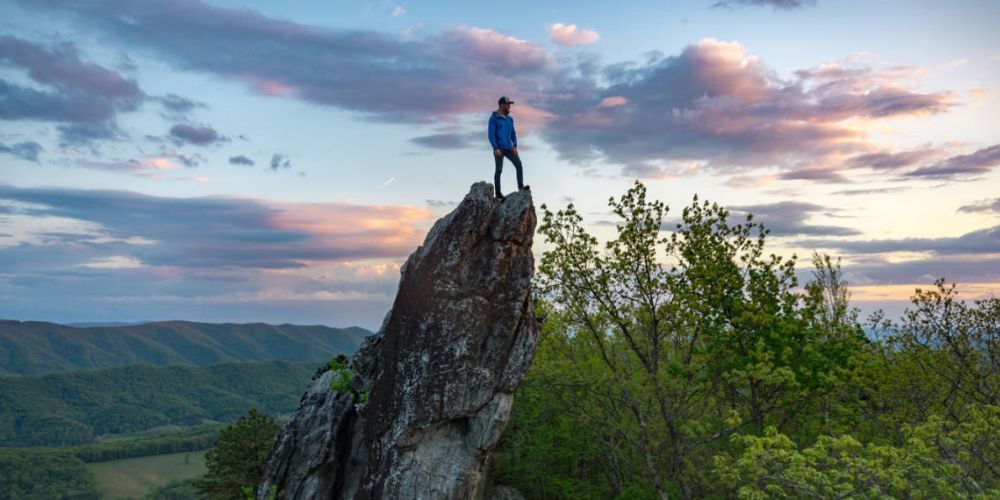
[(926, 465), (667, 333), (686, 362), (236, 461), (342, 374)]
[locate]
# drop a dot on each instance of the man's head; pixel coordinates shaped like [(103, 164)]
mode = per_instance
[(504, 104)]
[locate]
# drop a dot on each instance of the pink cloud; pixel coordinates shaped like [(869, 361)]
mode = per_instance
[(384, 229), (498, 50), (272, 87), (716, 103), (610, 102), (569, 34), (529, 118)]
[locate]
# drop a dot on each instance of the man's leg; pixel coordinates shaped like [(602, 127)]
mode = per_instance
[(496, 174), (516, 160)]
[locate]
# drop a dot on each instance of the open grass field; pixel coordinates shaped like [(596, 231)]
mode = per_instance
[(134, 477)]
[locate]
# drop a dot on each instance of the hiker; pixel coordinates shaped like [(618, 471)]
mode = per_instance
[(503, 138)]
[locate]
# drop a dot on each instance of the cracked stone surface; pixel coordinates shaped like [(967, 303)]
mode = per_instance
[(439, 376)]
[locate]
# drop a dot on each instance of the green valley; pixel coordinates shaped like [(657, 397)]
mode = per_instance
[(87, 407)]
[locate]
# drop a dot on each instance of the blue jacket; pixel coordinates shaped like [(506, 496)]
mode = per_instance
[(501, 132)]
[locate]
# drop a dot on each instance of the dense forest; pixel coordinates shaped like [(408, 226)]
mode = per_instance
[(78, 408), (36, 348), (686, 362), (44, 474)]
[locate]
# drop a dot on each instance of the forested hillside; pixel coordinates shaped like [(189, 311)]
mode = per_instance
[(76, 408), (35, 348)]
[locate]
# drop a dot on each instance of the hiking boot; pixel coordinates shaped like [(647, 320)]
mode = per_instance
[(500, 196), (526, 188)]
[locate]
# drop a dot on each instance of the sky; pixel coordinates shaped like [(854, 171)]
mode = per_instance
[(239, 161)]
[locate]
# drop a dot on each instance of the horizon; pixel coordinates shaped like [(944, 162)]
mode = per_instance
[(103, 324), (249, 161)]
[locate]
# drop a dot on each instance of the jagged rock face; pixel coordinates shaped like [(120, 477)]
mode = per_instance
[(439, 375)]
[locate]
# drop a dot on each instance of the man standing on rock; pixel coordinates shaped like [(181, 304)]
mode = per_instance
[(503, 138)]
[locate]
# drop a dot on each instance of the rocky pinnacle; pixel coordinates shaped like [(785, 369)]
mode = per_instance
[(432, 391)]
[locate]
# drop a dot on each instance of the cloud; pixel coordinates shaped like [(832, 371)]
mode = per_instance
[(178, 105), (776, 4), (382, 75), (884, 160), (200, 135), (448, 140), (987, 206), (664, 172), (61, 67), (280, 161), (973, 257), (979, 162), (206, 232), (717, 103), (818, 174), (240, 160), (960, 269), (713, 102), (983, 242), (24, 150), (186, 159), (75, 253), (85, 97), (788, 218), (569, 34), (150, 167), (612, 101), (885, 190), (89, 133)]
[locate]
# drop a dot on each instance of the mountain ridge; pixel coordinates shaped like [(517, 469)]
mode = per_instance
[(39, 347)]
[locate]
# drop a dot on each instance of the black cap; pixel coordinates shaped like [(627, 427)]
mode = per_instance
[(505, 100)]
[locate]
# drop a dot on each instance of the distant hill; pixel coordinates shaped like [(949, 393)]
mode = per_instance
[(36, 347), (76, 408)]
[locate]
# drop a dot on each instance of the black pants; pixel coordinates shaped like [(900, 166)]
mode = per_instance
[(516, 160)]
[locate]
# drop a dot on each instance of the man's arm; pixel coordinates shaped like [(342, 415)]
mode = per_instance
[(513, 134), (491, 131)]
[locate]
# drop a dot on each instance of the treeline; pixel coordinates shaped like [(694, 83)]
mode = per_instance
[(76, 408), (44, 473), (689, 363), (193, 439), (61, 473)]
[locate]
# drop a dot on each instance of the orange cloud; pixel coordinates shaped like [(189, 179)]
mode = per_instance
[(876, 293), (393, 230)]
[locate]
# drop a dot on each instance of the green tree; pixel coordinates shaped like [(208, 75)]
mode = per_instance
[(236, 461), (666, 342), (554, 445), (837, 355), (926, 465), (942, 359), (659, 344)]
